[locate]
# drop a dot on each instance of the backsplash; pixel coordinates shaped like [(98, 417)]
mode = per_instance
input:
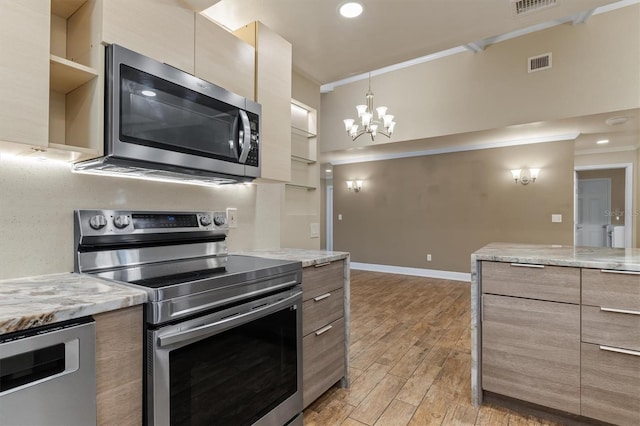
[(37, 199)]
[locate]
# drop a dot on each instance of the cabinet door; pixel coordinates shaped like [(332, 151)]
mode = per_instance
[(531, 351), (162, 30), (611, 384), (224, 59), (273, 92), (24, 86), (119, 366), (323, 360)]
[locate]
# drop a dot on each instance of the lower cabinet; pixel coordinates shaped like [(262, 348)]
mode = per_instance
[(531, 351), (611, 384), (119, 366), (323, 325)]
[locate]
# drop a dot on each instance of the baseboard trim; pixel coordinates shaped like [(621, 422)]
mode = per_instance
[(418, 272)]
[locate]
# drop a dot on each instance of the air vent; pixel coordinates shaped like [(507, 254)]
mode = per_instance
[(540, 62), (521, 7)]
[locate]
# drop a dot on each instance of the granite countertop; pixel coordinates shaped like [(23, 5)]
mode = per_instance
[(34, 301), (583, 257), (307, 257)]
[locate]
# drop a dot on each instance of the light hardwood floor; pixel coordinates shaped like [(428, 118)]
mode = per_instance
[(410, 358)]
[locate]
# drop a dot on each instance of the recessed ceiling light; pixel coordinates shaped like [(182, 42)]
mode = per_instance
[(603, 141), (351, 9), (614, 121), (328, 170)]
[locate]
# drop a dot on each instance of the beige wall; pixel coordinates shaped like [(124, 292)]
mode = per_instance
[(37, 200), (596, 68), (617, 177), (450, 205)]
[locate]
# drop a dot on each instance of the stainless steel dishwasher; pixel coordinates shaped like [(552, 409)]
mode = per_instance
[(47, 375)]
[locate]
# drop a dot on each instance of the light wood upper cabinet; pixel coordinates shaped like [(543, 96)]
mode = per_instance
[(162, 30), (24, 86), (224, 59), (273, 92)]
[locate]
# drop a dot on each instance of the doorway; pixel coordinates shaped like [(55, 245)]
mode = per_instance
[(603, 194), (594, 202)]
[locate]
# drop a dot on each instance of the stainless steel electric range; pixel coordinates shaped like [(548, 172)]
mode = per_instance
[(223, 333)]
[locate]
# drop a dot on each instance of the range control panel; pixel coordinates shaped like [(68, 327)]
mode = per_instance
[(118, 222)]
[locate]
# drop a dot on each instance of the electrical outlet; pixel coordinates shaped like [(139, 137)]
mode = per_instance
[(232, 217), (428, 258)]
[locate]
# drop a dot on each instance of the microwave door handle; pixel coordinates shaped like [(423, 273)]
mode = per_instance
[(245, 143)]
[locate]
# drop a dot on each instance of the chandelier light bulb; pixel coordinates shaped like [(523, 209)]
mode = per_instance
[(354, 130), (348, 124), (366, 119), (392, 125), (382, 111), (361, 109), (387, 119)]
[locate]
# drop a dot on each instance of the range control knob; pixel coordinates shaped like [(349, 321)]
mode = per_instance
[(205, 220), (121, 221), (219, 220), (98, 222)]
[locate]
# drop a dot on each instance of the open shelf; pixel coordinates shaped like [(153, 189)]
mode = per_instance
[(302, 159), (65, 8), (302, 132), (67, 75), (298, 186)]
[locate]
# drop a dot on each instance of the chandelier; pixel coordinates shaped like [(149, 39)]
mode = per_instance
[(383, 125)]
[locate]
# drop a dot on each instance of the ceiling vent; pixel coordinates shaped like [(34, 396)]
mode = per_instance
[(539, 63), (521, 7)]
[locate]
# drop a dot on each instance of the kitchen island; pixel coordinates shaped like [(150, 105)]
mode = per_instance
[(557, 326)]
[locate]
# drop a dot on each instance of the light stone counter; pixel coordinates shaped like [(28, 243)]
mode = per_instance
[(307, 257), (34, 301), (577, 257)]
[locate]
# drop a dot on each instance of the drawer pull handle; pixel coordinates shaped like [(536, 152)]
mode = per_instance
[(324, 296), (614, 271), (320, 265), (620, 351), (527, 265), (620, 311), (324, 330)]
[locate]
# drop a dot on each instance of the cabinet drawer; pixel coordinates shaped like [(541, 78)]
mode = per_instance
[(610, 385), (611, 289), (531, 351), (543, 282), (610, 327), (318, 280), (323, 360), (322, 310)]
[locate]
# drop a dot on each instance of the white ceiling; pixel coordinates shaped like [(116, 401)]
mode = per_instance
[(328, 48)]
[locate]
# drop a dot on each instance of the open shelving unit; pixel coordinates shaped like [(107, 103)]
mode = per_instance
[(75, 98), (303, 147)]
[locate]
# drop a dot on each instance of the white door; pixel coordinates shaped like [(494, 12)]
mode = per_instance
[(594, 204), (329, 217)]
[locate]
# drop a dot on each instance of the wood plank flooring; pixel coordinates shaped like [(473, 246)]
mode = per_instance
[(410, 358)]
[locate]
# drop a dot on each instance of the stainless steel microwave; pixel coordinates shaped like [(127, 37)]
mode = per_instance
[(161, 122)]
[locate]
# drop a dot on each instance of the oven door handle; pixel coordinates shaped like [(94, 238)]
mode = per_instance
[(197, 333)]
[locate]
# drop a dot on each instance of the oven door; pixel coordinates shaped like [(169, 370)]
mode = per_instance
[(238, 366)]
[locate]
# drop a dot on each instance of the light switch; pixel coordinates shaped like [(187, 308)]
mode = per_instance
[(556, 218), (314, 229), (339, 217)]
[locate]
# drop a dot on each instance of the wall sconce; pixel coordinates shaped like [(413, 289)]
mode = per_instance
[(525, 176), (354, 185)]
